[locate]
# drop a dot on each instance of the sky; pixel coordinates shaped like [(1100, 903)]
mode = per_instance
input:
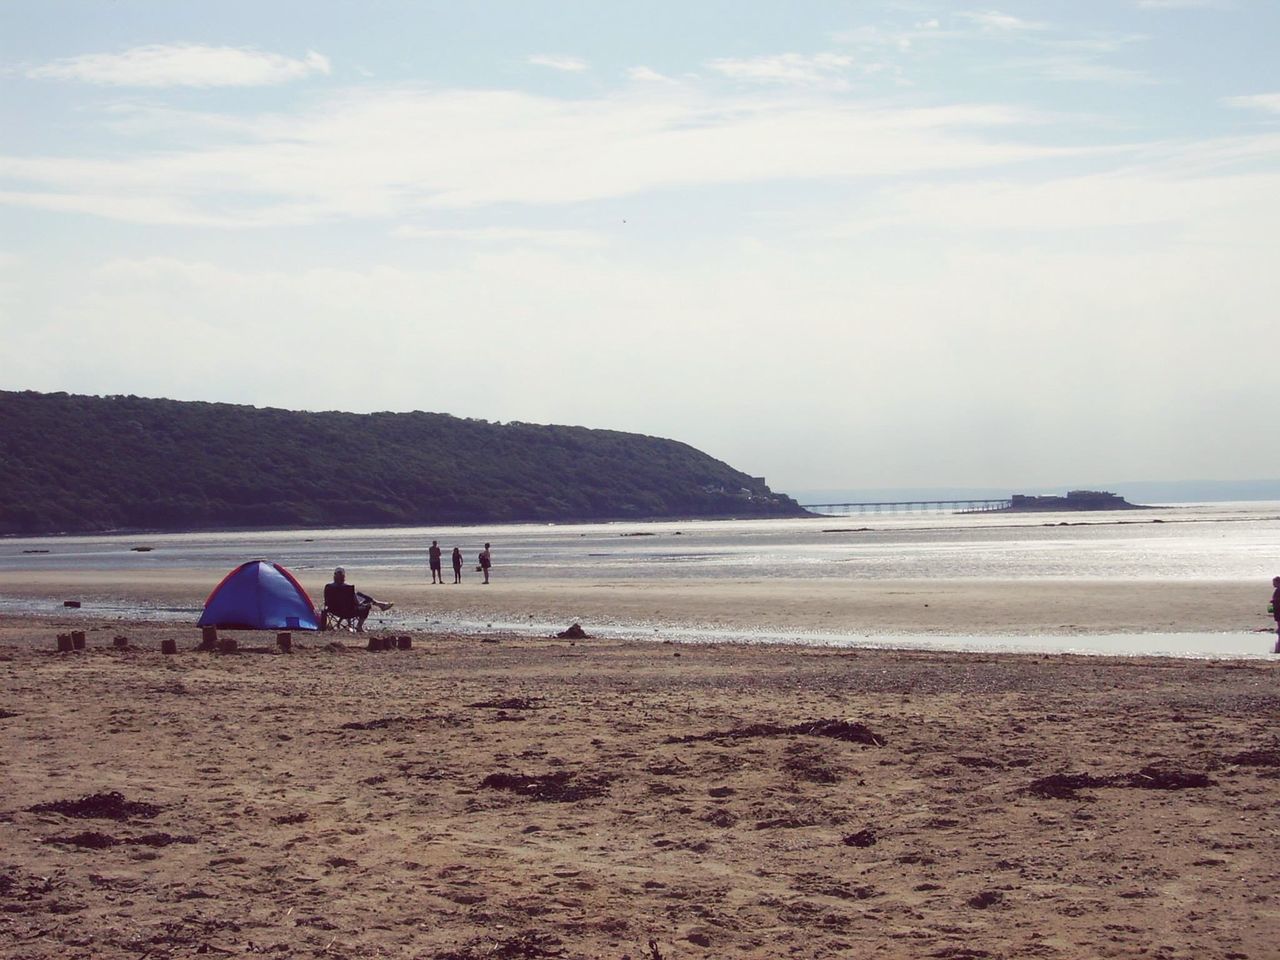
[(839, 245)]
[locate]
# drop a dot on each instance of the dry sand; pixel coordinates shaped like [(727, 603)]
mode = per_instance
[(536, 798)]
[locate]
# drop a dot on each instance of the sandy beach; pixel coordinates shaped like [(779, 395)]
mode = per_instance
[(512, 797), (881, 606)]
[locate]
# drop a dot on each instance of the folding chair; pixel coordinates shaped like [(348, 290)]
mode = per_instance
[(341, 610), (329, 620)]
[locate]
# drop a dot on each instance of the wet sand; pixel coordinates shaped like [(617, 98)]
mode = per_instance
[(809, 606), (504, 797)]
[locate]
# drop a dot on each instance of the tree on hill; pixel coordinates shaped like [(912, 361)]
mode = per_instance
[(77, 463)]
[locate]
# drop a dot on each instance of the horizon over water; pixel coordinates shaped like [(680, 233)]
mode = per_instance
[(1234, 541)]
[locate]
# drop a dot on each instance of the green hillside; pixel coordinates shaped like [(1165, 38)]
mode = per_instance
[(76, 464)]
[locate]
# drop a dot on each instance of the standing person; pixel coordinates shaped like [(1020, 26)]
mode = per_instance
[(486, 561), (433, 558), (1275, 610), (457, 565)]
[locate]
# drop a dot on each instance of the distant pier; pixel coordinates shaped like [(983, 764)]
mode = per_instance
[(910, 506)]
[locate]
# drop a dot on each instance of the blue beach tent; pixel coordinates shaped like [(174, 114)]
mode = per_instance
[(259, 595)]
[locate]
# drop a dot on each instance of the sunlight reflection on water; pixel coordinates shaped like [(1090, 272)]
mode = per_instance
[(1199, 541)]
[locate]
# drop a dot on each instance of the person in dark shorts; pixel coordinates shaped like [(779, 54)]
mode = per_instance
[(486, 561), (433, 559), (457, 565)]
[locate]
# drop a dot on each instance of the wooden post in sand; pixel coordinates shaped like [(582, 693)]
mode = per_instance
[(168, 646), (377, 644), (120, 643), (285, 642), (404, 643), (208, 638), (64, 643), (77, 639)]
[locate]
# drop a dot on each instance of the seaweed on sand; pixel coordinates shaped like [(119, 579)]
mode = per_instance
[(845, 730), (99, 806), (559, 787)]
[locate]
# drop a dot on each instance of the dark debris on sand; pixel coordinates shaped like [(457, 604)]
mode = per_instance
[(1262, 757), (1065, 786), (509, 703), (15, 886), (7, 714), (99, 806), (383, 723), (559, 787), (844, 730), (92, 840), (863, 838)]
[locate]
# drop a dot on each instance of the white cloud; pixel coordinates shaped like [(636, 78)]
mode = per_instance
[(993, 21), (502, 235), (644, 74), (192, 65), (564, 64), (1180, 4), (386, 153), (1269, 102), (1178, 197), (813, 70), (1070, 68)]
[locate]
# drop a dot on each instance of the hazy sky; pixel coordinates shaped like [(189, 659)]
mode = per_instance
[(857, 244)]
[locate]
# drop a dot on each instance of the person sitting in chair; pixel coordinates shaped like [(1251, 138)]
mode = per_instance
[(343, 601)]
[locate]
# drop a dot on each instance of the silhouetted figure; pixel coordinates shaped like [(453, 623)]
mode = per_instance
[(457, 565), (433, 559), (1275, 610), (486, 561), (343, 600)]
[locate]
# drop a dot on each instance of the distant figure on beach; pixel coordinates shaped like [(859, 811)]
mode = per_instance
[(486, 561), (343, 600), (433, 559), (1275, 610), (457, 565)]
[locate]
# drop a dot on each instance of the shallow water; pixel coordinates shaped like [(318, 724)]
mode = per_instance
[(1223, 541), (1226, 541)]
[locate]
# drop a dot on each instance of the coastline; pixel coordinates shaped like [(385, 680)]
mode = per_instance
[(497, 796), (943, 607)]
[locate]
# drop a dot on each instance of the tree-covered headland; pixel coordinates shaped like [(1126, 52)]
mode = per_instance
[(79, 464)]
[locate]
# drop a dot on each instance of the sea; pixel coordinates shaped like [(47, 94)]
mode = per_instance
[(1186, 541)]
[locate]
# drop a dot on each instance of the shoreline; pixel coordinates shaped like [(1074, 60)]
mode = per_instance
[(942, 607), (1186, 619)]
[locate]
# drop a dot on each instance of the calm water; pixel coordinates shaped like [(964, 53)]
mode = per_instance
[(1223, 541)]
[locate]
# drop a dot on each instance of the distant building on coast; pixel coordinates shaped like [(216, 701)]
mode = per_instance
[(1074, 500)]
